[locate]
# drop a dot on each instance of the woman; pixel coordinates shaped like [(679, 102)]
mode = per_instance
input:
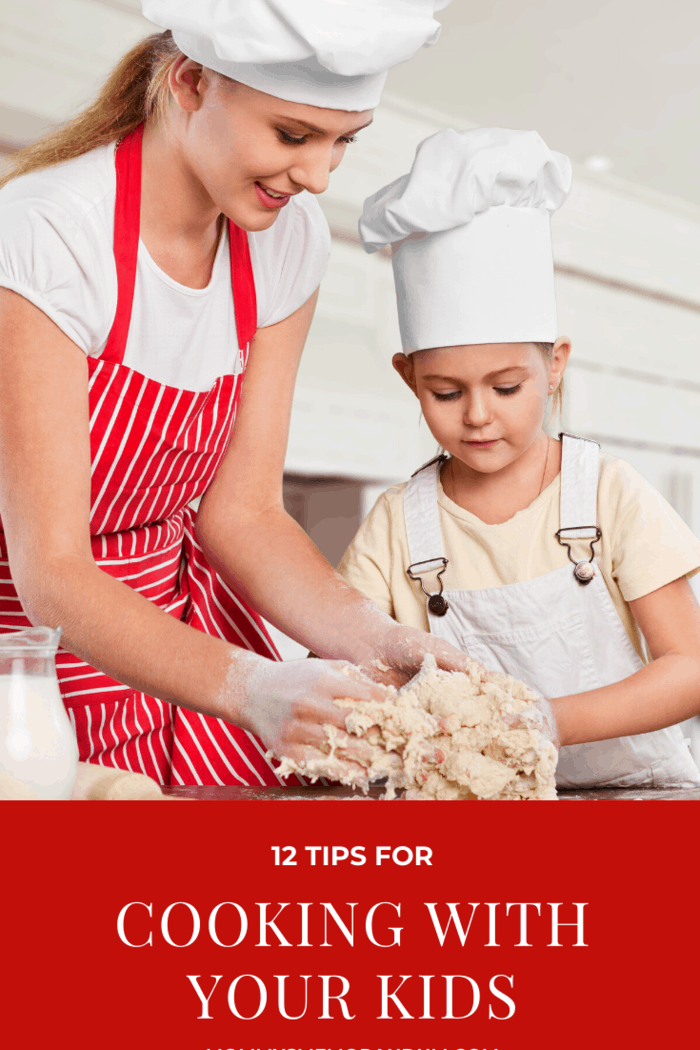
[(125, 334)]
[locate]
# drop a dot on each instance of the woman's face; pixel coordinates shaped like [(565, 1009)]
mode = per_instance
[(485, 404), (251, 152)]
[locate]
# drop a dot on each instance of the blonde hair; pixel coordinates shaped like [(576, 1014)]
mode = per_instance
[(546, 349), (135, 91)]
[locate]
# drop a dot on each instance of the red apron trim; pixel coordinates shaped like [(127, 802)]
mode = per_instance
[(127, 224), (244, 300)]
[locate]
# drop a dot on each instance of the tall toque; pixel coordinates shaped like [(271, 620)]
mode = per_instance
[(469, 227)]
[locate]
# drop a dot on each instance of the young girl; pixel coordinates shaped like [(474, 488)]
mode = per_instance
[(543, 558)]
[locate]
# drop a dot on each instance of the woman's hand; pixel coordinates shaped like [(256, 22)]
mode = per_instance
[(286, 704), (400, 657), (399, 654)]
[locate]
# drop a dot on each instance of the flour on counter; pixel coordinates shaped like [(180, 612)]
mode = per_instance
[(460, 736)]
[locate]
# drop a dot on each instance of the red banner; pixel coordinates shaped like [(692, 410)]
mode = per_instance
[(487, 927)]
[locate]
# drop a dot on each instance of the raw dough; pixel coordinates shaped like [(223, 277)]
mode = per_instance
[(474, 735)]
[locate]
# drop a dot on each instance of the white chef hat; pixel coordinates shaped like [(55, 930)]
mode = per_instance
[(330, 53), (469, 227)]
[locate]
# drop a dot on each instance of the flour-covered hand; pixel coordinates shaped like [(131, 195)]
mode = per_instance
[(540, 717), (287, 704), (399, 653)]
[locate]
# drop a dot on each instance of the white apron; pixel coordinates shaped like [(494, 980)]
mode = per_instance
[(558, 635)]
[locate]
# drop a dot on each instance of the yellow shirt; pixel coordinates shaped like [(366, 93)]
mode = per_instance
[(644, 546)]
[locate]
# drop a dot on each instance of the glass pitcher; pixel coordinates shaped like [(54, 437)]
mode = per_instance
[(38, 749)]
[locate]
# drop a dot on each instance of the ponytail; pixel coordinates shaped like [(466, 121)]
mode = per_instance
[(134, 92)]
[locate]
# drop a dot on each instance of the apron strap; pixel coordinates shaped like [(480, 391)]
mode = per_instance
[(578, 512), (127, 225), (244, 301), (578, 508), (420, 504)]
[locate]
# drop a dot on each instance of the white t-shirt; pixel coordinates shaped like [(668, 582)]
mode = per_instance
[(56, 249)]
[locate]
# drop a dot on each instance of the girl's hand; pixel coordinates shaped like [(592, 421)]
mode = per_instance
[(400, 651), (285, 704), (540, 717), (549, 726)]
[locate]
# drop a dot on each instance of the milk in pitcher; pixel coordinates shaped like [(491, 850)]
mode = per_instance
[(38, 749)]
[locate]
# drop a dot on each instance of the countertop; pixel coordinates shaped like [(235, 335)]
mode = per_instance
[(324, 794)]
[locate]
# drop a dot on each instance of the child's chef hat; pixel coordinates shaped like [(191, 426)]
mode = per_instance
[(470, 233), (330, 53)]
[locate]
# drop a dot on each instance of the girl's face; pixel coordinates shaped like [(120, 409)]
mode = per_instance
[(485, 404), (251, 152)]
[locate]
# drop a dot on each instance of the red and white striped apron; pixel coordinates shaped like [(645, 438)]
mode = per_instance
[(154, 449)]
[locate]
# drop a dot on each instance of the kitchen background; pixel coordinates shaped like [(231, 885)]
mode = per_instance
[(615, 85)]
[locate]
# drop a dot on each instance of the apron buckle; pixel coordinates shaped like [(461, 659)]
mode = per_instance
[(437, 605), (584, 570)]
